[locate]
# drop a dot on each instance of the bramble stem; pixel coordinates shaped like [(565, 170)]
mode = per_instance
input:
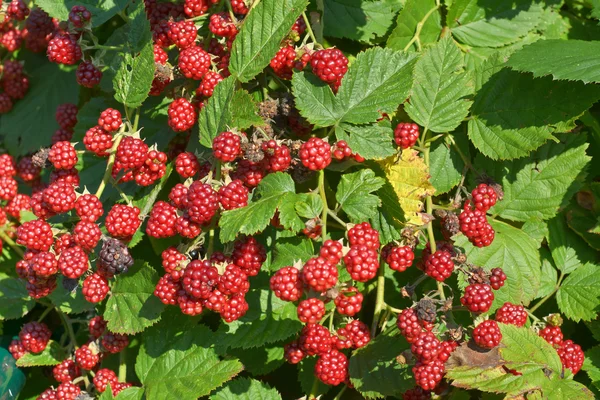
[(334, 216), (379, 302), (325, 207), (11, 243), (416, 36), (309, 28), (68, 327), (313, 390), (340, 393), (545, 299), (46, 312), (122, 366), (111, 161)]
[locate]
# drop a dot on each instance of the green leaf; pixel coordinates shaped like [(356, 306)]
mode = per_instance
[(374, 371), (15, 299), (260, 360), (134, 77), (536, 229), (268, 320), (309, 205), (101, 10), (246, 389), (176, 360), (492, 23), (591, 365), (306, 377), (358, 20), (53, 354), (315, 100), (371, 141), (506, 124), (69, 302), (243, 111), (273, 191), (568, 250), (538, 186), (132, 306), (516, 253), (549, 277), (446, 166), (49, 85), (215, 116), (574, 60), (289, 250), (523, 346), (376, 82), (579, 295), (354, 194), (412, 14), (261, 34), (440, 87), (140, 32), (132, 393)]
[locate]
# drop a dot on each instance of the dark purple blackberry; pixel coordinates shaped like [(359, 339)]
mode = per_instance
[(115, 257)]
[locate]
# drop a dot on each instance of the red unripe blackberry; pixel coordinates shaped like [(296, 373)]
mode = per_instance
[(87, 74), (239, 7), (552, 335), (487, 334), (364, 234), (474, 225), (354, 335), (248, 172), (484, 197), (416, 393), (131, 153), (182, 33), (48, 394), (233, 195), (6, 103), (166, 289), (41, 288), (362, 263), (330, 65), (95, 288), (195, 8), (79, 16), (200, 278), (400, 258), (60, 197), (28, 171), (21, 202), (7, 165), (234, 308), (35, 235), (66, 115), (331, 251), (226, 146), (332, 368), (215, 301), (409, 324), (349, 301), (70, 176), (406, 134), (160, 33), (110, 120), (221, 25), (194, 62), (173, 262), (293, 353), (11, 40), (571, 356), (429, 375), (8, 188), (186, 227), (114, 342), (478, 297), (203, 202), (283, 62), (439, 265), (182, 115), (189, 305), (319, 274), (63, 49), (12, 69), (161, 223), (187, 165), (233, 281), (44, 264), (179, 196), (66, 371), (277, 157), (315, 154), (97, 326), (341, 150), (61, 135), (287, 284), (34, 336), (310, 311), (512, 314), (67, 391), (73, 262), (17, 10), (88, 207), (497, 278), (103, 377), (63, 155), (426, 347), (446, 350), (208, 84), (123, 221), (249, 255), (86, 357), (315, 339)]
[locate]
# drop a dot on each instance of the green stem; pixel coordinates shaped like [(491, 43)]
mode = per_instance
[(340, 393), (325, 207), (136, 120), (313, 390), (392, 309), (11, 243), (122, 366), (416, 37), (460, 153), (46, 311), (309, 28), (379, 300), (545, 299), (334, 216), (68, 327), (103, 47), (111, 161)]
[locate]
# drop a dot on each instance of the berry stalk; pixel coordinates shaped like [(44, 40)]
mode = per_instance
[(111, 161), (11, 243), (325, 207)]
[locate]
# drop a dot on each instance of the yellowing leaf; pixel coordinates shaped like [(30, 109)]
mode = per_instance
[(409, 176)]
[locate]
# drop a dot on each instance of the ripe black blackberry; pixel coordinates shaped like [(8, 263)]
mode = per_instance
[(115, 257)]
